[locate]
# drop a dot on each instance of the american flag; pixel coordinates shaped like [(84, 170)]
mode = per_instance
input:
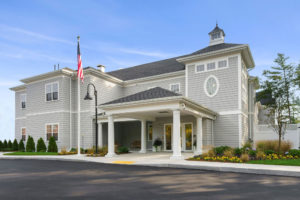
[(80, 70)]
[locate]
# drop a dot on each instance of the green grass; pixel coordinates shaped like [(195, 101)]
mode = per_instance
[(31, 154), (276, 162)]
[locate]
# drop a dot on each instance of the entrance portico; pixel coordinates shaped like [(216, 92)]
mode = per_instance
[(174, 108)]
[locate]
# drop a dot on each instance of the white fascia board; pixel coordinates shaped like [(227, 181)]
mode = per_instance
[(204, 55), (18, 88), (197, 106), (103, 75)]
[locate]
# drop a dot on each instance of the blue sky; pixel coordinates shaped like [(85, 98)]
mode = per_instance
[(35, 35)]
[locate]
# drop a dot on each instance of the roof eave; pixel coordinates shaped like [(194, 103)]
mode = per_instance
[(18, 88), (103, 75)]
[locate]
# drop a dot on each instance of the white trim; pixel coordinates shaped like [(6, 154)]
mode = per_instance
[(171, 84), (46, 79), (55, 123), (154, 81), (117, 120), (71, 130), (18, 118), (216, 61), (186, 80), (205, 84), (45, 95), (53, 112), (232, 112)]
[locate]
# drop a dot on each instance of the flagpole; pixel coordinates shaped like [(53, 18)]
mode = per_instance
[(78, 115)]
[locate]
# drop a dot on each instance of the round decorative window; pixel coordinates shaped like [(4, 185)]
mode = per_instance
[(211, 86)]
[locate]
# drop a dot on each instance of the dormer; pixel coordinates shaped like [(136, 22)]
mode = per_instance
[(216, 36)]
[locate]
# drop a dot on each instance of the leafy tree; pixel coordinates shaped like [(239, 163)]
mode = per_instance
[(30, 146), (284, 75), (1, 145), (4, 144), (41, 147), (21, 145), (9, 144), (297, 77), (15, 145), (52, 147)]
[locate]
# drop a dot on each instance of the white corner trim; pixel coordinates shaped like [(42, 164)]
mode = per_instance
[(186, 81), (205, 84)]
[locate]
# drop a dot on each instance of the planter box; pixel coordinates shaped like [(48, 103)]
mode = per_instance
[(158, 149)]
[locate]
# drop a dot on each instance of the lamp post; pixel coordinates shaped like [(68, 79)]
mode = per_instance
[(88, 97)]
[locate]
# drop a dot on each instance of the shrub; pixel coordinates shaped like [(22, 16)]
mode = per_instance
[(228, 153), (1, 145), (30, 146), (15, 145), (123, 150), (260, 155), (211, 153), (244, 157), (268, 152), (273, 145), (157, 142), (63, 151), (52, 146), (220, 150), (248, 144), (9, 144), (21, 146), (252, 153), (294, 152), (41, 147), (5, 144), (237, 152)]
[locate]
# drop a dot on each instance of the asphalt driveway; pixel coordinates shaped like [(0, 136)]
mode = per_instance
[(41, 179)]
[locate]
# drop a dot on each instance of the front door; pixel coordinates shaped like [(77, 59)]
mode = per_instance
[(186, 136)]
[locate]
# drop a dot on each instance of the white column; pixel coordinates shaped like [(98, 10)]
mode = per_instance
[(176, 136), (143, 136), (111, 137), (199, 137), (100, 137)]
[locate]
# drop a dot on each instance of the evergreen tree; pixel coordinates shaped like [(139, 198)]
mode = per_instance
[(30, 146), (15, 145), (52, 147), (4, 144), (1, 145), (41, 147), (21, 146), (9, 144)]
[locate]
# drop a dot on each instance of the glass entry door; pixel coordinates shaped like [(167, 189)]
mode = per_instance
[(186, 136), (168, 137)]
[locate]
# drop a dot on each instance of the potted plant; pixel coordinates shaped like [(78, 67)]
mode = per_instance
[(157, 145)]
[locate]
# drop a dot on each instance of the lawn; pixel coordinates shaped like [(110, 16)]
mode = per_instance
[(295, 162), (31, 154)]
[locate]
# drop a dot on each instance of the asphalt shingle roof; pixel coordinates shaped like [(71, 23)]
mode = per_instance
[(153, 93), (163, 66)]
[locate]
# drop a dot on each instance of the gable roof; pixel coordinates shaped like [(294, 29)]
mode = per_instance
[(163, 66), (153, 93)]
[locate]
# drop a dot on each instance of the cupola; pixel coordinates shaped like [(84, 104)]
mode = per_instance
[(216, 36)]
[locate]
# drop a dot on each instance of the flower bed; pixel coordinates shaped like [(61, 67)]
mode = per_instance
[(218, 158)]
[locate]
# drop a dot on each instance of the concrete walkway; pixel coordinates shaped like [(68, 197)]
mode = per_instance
[(163, 160)]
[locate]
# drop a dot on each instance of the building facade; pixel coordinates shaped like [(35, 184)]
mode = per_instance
[(190, 102)]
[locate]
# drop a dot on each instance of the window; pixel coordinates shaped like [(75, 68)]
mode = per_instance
[(211, 66), (175, 87), (23, 101), (211, 86), (222, 63), (150, 131), (215, 35), (52, 92), (200, 68), (52, 130), (23, 132)]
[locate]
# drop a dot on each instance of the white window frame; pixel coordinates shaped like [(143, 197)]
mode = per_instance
[(196, 68), (226, 60), (170, 86), (52, 131), (51, 84), (209, 64), (205, 83), (25, 133), (216, 61), (22, 95)]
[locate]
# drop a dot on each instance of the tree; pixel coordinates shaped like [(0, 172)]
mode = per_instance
[(21, 146), (4, 144), (1, 145), (284, 75), (9, 144), (52, 147), (297, 76), (15, 145), (30, 146), (41, 147)]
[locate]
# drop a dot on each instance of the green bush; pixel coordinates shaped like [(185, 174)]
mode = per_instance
[(5, 144), (52, 146), (237, 152), (123, 150), (294, 152), (252, 153), (1, 145), (9, 144), (21, 145), (41, 147), (220, 150), (30, 146), (15, 145), (268, 152)]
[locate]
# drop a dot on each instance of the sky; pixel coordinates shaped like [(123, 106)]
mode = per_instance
[(35, 35)]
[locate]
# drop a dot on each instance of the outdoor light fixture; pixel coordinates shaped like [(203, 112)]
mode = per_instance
[(88, 97)]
